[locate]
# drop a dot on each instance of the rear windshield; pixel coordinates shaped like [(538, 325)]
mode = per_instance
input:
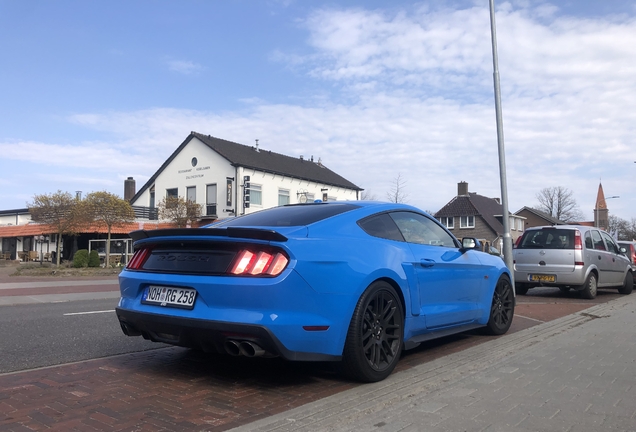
[(550, 238), (289, 215)]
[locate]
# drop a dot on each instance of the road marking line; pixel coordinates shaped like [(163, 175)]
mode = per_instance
[(86, 313), (532, 319)]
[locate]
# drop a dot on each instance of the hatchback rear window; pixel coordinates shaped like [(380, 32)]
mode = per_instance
[(551, 238), (289, 215)]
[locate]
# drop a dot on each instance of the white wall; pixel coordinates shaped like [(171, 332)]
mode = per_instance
[(21, 219)]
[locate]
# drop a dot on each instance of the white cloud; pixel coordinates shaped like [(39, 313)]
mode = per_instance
[(184, 67)]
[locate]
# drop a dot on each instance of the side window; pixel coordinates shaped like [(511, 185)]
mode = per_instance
[(598, 241), (609, 241), (381, 226), (588, 241), (419, 229)]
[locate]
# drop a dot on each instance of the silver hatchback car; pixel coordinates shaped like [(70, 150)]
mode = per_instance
[(575, 257)]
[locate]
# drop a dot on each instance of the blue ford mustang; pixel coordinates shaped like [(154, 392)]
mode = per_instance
[(355, 282)]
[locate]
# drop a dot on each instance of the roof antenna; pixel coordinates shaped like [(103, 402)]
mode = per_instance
[(257, 145)]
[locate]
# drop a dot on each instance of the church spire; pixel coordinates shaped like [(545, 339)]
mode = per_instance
[(600, 198)]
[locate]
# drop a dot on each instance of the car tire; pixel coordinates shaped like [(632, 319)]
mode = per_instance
[(589, 287), (502, 308), (375, 336), (628, 285), (521, 288)]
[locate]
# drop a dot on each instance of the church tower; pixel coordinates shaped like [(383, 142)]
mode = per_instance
[(601, 214)]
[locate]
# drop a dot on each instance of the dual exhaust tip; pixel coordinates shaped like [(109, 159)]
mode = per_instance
[(244, 348)]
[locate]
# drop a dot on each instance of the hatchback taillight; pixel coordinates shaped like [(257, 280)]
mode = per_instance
[(578, 244), (258, 263)]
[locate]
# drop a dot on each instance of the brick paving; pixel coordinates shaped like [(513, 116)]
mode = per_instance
[(176, 389)]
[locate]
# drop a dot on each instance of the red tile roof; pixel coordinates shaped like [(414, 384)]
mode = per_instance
[(33, 229)]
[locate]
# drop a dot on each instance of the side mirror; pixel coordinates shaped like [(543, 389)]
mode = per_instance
[(471, 243)]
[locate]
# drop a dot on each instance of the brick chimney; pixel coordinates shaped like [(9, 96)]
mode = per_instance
[(129, 188), (462, 188)]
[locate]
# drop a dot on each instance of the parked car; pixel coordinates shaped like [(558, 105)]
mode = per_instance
[(353, 282), (575, 257), (630, 252)]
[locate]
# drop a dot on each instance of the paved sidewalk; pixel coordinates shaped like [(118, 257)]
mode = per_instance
[(577, 373), (39, 289)]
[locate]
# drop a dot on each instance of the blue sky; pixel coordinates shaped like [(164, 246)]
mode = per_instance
[(94, 92)]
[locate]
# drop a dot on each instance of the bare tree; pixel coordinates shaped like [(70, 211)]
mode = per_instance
[(622, 229), (180, 211), (559, 202), (109, 210), (367, 196), (397, 193), (60, 210)]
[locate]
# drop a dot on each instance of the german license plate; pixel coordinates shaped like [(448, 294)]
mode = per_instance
[(542, 278), (169, 296)]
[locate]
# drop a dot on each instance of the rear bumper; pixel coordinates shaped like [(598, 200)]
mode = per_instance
[(207, 335)]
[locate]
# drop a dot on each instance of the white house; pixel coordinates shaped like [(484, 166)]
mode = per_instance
[(231, 179), (210, 171)]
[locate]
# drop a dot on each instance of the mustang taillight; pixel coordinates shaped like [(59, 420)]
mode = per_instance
[(138, 259), (258, 263)]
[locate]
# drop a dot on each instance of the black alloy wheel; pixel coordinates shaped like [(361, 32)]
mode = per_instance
[(375, 337), (628, 285), (502, 309)]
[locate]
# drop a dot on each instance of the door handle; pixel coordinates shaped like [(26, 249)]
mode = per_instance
[(427, 262)]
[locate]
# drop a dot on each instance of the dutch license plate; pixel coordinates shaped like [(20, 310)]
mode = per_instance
[(169, 296), (542, 278)]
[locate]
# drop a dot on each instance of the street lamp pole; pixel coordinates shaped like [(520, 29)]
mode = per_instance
[(507, 239)]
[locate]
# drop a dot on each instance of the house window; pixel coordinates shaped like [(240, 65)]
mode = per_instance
[(210, 200), (256, 194), (191, 193), (283, 196), (310, 197), (448, 222), (172, 193), (467, 222), (511, 223), (519, 224)]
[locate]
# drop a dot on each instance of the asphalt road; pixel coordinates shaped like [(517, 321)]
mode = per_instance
[(39, 335)]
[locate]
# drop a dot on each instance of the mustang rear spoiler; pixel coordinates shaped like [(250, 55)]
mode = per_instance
[(249, 233)]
